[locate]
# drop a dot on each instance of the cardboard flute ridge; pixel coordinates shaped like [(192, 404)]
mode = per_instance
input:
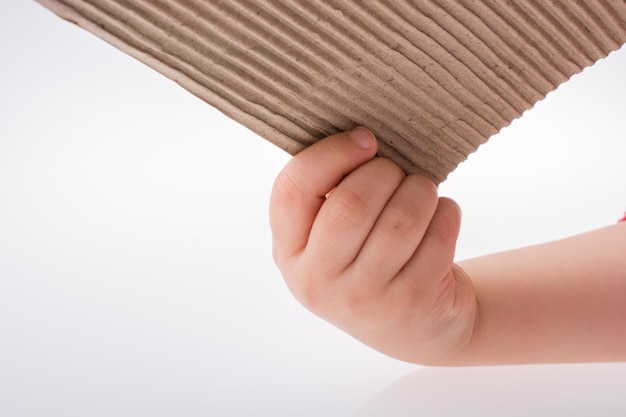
[(432, 80)]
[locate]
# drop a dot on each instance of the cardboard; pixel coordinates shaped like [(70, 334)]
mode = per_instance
[(432, 79)]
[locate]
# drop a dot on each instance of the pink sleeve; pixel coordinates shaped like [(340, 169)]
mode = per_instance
[(623, 219)]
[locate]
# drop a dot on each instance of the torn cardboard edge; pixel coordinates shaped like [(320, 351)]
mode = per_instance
[(433, 80)]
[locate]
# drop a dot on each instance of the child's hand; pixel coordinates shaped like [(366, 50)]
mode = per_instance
[(371, 250)]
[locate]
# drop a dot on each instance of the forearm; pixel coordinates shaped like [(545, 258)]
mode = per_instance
[(563, 301)]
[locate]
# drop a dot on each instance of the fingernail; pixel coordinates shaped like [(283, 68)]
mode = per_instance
[(363, 138)]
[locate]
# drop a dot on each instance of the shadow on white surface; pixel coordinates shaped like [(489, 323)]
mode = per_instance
[(538, 390)]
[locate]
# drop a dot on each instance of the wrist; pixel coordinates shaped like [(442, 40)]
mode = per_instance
[(459, 331)]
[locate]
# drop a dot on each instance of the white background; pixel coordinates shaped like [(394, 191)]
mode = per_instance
[(135, 269)]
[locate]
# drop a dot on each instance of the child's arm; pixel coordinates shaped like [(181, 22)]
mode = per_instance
[(562, 301), (371, 251)]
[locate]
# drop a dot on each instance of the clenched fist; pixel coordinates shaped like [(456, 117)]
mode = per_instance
[(371, 250)]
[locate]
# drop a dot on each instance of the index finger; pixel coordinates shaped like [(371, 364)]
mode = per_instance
[(300, 188)]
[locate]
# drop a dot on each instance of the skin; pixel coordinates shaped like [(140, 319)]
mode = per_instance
[(371, 250)]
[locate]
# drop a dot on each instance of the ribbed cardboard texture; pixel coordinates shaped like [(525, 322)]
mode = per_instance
[(432, 79)]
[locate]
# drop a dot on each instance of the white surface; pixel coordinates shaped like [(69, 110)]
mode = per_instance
[(512, 391), (135, 268)]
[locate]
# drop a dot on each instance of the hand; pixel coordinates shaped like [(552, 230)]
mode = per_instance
[(371, 250)]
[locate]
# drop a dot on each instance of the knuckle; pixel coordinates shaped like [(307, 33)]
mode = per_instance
[(357, 304), (358, 297), (309, 296), (287, 189), (306, 285), (307, 292), (403, 217), (346, 208), (408, 211), (439, 229), (445, 223)]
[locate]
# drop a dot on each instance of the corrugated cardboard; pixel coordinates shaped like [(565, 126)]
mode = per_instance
[(432, 79)]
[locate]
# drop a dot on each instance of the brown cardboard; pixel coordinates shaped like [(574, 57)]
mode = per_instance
[(432, 79)]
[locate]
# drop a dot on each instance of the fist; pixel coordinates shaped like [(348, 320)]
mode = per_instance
[(371, 250)]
